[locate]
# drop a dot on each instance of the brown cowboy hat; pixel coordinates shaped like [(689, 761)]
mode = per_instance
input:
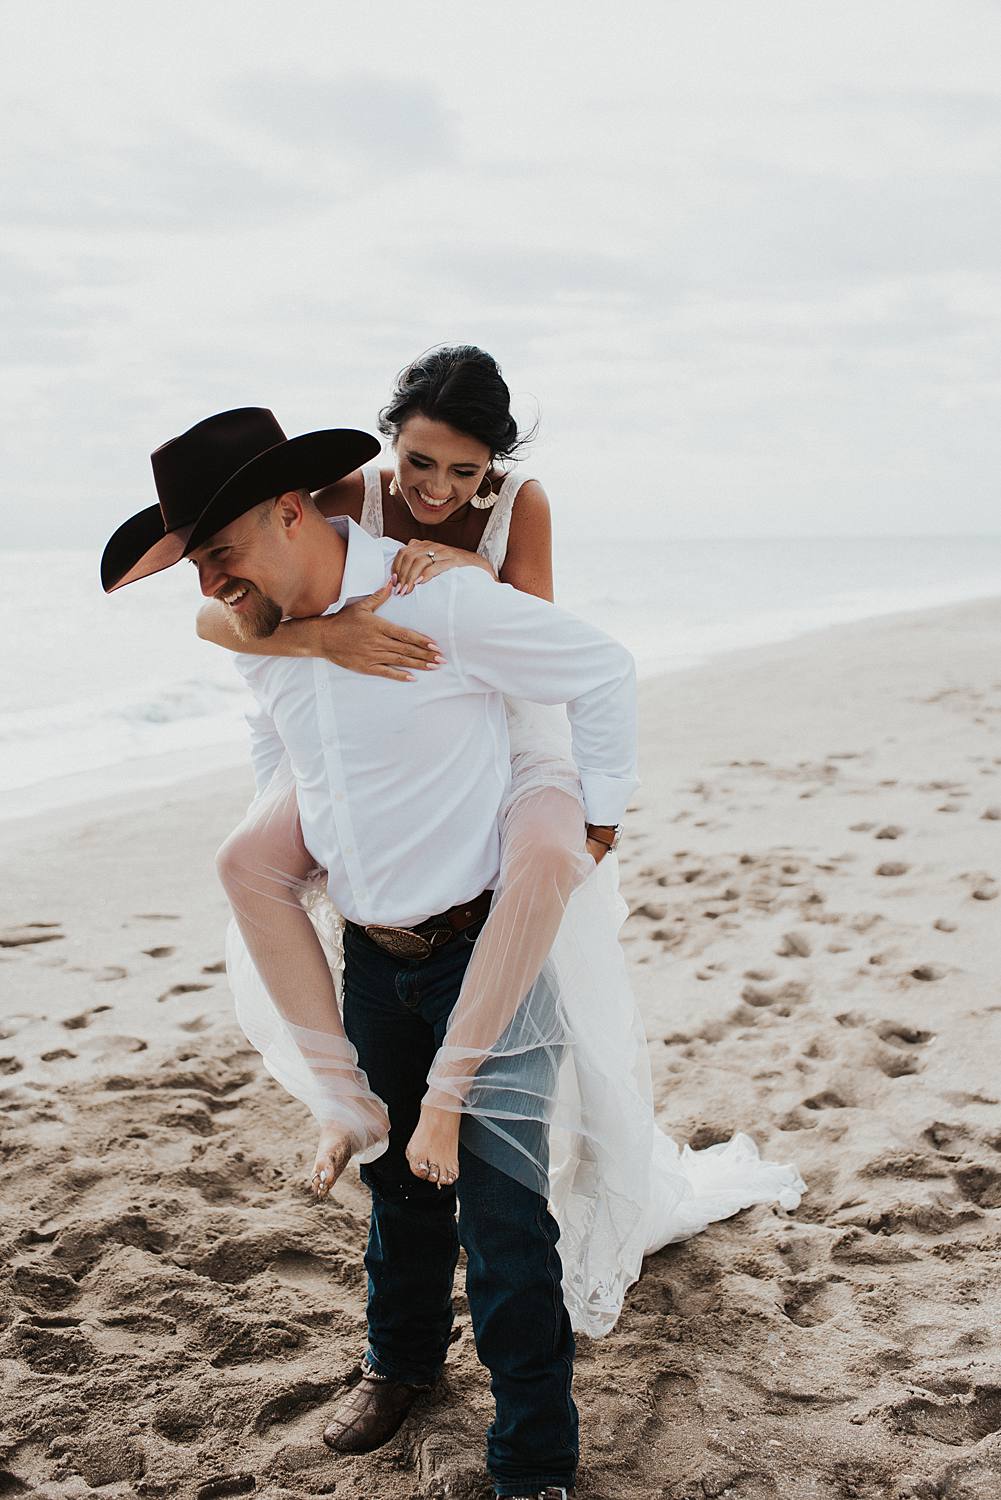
[(217, 471)]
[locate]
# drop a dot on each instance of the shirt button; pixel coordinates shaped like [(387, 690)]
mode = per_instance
[(338, 796)]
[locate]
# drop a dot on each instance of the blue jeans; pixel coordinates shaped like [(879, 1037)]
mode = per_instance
[(395, 1012)]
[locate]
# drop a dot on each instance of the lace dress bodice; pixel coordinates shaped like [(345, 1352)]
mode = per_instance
[(493, 542)]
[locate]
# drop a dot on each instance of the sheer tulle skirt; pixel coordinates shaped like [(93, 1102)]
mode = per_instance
[(545, 1055)]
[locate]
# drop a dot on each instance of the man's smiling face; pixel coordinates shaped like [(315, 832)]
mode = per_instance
[(240, 566)]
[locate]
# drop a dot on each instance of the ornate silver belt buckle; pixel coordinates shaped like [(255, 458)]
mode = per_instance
[(400, 941)]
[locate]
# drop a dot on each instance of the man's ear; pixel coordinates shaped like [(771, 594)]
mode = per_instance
[(289, 509)]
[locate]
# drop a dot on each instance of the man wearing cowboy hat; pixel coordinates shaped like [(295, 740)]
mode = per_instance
[(374, 766)]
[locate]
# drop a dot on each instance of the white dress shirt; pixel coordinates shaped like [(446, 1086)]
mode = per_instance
[(399, 784)]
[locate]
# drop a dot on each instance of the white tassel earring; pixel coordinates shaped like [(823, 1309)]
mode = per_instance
[(484, 497)]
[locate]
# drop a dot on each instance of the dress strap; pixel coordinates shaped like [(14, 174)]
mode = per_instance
[(371, 510), (493, 542)]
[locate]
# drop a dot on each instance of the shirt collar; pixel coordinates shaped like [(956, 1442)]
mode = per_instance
[(364, 565)]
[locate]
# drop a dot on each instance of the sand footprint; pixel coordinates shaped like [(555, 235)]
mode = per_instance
[(77, 1023), (30, 934), (303, 1396), (794, 945), (961, 1418), (907, 1165), (808, 1302), (111, 1046), (790, 993), (653, 911), (980, 1185), (226, 1484), (182, 989), (900, 1034), (828, 1099), (948, 1140)]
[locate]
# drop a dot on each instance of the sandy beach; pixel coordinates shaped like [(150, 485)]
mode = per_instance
[(812, 871)]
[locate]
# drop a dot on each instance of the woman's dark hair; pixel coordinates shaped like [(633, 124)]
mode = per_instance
[(463, 386)]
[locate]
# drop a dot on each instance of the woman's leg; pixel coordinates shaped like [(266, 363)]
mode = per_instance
[(543, 860), (263, 866)]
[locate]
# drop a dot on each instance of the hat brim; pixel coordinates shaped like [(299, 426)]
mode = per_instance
[(141, 547), (307, 462)]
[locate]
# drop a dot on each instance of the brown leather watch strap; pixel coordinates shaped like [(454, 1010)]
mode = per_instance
[(603, 833)]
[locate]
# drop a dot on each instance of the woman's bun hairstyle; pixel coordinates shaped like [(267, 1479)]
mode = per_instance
[(463, 386)]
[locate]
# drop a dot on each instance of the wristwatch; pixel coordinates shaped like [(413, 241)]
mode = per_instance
[(608, 834)]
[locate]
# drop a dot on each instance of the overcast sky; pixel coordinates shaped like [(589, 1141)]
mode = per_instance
[(742, 258)]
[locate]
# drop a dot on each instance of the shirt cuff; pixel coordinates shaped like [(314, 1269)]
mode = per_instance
[(606, 797)]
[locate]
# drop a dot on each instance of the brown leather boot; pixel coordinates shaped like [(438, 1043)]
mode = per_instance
[(551, 1492), (371, 1412)]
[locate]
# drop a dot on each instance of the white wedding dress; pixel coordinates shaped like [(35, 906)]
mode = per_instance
[(545, 1056)]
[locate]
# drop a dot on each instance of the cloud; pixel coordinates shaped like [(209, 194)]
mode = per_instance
[(392, 124), (527, 275), (302, 144), (176, 180), (954, 111), (44, 318)]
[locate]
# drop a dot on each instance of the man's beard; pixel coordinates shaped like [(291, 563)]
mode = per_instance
[(259, 617)]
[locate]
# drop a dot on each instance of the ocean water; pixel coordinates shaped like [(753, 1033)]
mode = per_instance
[(98, 692)]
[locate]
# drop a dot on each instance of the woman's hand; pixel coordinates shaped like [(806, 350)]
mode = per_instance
[(420, 560), (357, 639), (333, 1152)]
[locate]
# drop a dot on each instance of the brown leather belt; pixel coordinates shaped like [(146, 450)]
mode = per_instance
[(421, 941)]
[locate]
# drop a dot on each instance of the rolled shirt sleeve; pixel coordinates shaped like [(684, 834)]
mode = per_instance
[(525, 647)]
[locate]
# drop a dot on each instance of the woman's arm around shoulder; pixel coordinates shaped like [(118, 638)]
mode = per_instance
[(345, 498), (528, 565), (355, 638), (292, 638)]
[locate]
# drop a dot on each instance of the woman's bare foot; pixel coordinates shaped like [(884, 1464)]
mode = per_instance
[(333, 1152), (433, 1152)]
